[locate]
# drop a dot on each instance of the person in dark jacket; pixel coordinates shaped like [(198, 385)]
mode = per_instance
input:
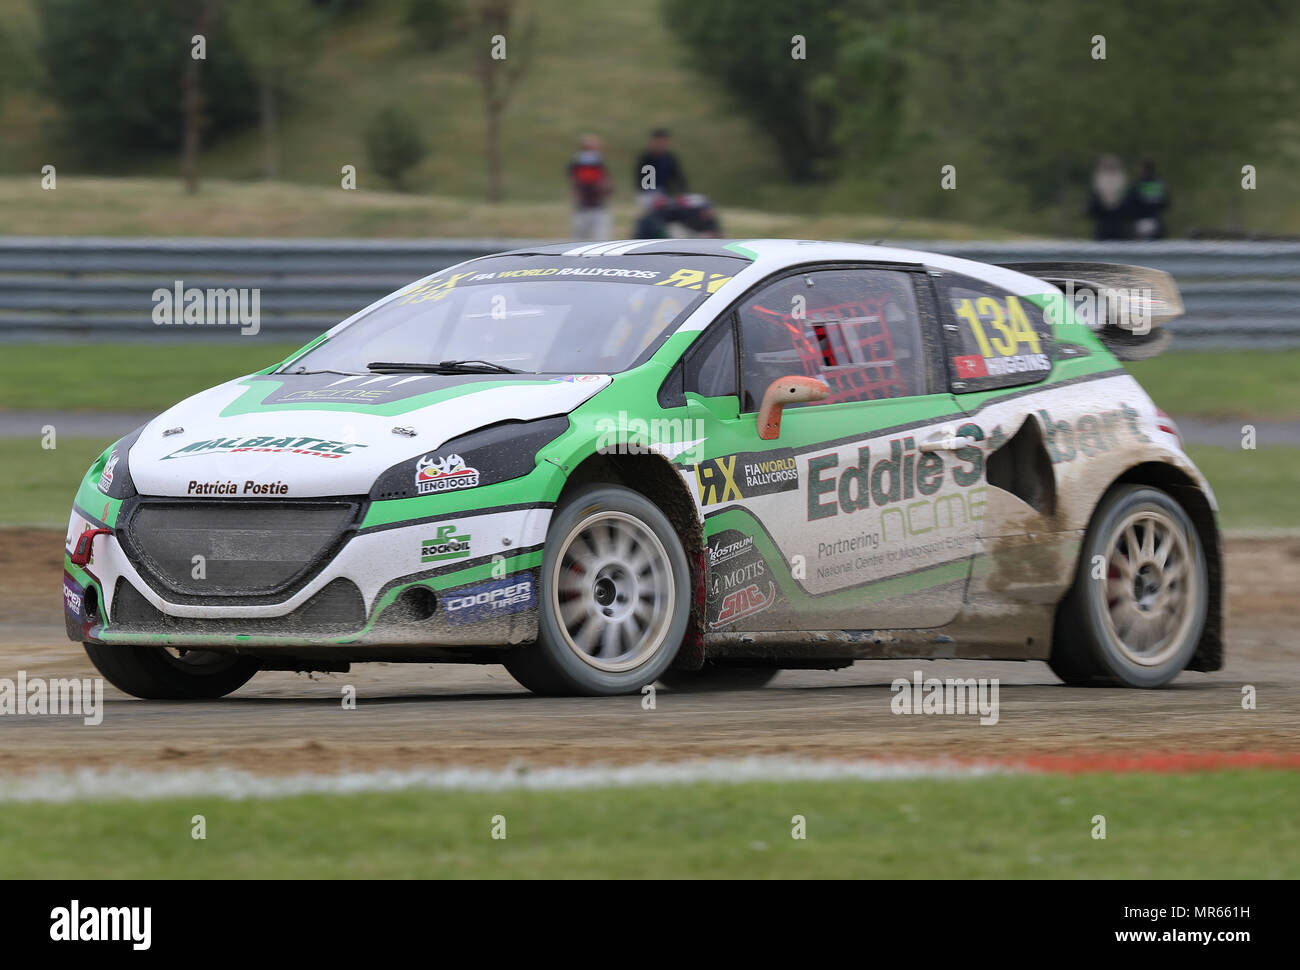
[(1107, 202), (658, 170), (1147, 201)]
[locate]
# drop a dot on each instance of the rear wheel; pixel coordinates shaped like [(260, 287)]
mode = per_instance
[(157, 673), (615, 597), (1137, 608)]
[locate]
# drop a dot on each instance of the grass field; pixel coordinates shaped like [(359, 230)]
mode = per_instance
[(125, 376), (1224, 384), (1236, 824), (154, 206)]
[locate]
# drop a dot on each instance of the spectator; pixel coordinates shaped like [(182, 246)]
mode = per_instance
[(589, 180), (1147, 201), (1107, 201), (658, 170)]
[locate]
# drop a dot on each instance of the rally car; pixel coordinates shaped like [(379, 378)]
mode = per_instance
[(684, 461)]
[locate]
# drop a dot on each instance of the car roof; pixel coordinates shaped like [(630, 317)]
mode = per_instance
[(771, 255)]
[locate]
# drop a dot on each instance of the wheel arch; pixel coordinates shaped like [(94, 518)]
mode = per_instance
[(655, 477), (1185, 490)]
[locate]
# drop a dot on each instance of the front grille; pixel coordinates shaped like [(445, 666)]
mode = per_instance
[(247, 549), (336, 609)]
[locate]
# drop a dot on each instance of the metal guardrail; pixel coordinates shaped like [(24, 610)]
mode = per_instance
[(1236, 293)]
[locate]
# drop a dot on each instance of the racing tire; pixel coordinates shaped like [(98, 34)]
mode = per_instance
[(615, 597), (156, 674), (712, 677), (1137, 621)]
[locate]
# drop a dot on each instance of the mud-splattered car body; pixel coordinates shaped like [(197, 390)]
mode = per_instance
[(928, 497)]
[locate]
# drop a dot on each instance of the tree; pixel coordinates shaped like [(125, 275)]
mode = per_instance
[(278, 38), (769, 55), (503, 32), (113, 70), (394, 144)]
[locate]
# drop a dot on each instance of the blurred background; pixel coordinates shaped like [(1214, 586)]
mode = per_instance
[(842, 134)]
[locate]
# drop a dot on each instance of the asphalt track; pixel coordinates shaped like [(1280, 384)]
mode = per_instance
[(418, 716)]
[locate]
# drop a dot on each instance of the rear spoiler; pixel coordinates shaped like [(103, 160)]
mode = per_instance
[(1125, 305)]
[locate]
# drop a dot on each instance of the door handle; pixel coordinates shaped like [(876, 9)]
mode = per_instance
[(946, 442)]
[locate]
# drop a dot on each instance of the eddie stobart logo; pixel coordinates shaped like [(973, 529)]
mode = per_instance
[(903, 475), (313, 447), (434, 473), (447, 544)]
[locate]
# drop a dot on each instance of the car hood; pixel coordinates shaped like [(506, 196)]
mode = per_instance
[(305, 435)]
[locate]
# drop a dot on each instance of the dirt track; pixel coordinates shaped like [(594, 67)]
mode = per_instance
[(424, 715)]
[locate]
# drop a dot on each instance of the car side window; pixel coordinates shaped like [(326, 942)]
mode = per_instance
[(993, 338), (711, 364), (857, 329)]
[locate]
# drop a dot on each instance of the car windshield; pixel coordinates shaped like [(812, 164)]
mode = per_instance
[(534, 314)]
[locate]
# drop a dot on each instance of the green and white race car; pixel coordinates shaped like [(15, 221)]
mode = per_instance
[(677, 460)]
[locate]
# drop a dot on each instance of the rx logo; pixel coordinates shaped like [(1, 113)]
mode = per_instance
[(716, 480)]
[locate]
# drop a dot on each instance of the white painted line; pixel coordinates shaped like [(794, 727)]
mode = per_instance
[(137, 785)]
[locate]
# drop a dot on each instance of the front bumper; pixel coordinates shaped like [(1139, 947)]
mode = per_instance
[(458, 580)]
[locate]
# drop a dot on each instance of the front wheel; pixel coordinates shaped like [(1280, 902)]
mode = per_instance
[(615, 597), (1137, 608), (167, 673)]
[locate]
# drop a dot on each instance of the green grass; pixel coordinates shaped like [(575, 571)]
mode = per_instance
[(125, 376), (1256, 489), (1224, 384), (1216, 825), (37, 485)]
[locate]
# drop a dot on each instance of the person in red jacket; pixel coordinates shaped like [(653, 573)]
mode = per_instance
[(590, 185)]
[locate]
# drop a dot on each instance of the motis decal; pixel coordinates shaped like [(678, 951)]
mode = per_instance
[(446, 545), (434, 473), (738, 574), (500, 597)]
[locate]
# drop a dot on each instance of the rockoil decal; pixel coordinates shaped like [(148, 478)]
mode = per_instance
[(446, 545)]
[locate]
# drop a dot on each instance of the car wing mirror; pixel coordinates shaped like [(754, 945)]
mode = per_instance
[(783, 391)]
